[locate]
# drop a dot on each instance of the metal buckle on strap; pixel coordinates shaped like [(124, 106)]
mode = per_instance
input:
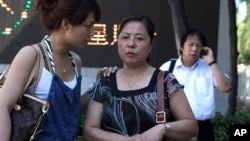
[(160, 117)]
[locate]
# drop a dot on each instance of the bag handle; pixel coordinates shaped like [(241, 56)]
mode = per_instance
[(36, 72), (3, 74), (160, 114)]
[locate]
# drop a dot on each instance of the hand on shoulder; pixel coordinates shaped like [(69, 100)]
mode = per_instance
[(106, 71)]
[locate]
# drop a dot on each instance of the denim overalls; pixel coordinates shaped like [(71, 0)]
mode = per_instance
[(61, 121)]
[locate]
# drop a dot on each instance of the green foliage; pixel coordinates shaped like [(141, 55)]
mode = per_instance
[(79, 135), (243, 33), (223, 122)]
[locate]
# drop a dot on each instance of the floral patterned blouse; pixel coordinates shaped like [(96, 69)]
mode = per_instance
[(131, 112)]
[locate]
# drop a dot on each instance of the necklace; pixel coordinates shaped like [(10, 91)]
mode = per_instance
[(132, 86)]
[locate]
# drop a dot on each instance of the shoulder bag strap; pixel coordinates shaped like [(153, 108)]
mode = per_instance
[(172, 64), (160, 115), (35, 72), (3, 74)]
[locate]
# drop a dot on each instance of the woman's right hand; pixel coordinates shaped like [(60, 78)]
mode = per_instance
[(136, 137), (158, 131), (106, 71)]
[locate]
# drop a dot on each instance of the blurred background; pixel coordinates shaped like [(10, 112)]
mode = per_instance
[(224, 22)]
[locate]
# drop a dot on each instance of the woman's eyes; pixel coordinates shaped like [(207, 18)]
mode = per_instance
[(89, 25), (137, 38), (140, 38), (125, 37)]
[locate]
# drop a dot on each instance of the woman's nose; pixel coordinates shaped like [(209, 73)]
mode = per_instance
[(131, 43), (92, 33)]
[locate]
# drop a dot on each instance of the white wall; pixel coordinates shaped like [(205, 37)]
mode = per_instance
[(88, 77)]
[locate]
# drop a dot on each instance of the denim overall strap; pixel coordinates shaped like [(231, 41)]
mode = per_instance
[(61, 121)]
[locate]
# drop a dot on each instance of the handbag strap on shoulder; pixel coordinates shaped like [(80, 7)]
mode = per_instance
[(160, 114), (160, 91), (34, 76)]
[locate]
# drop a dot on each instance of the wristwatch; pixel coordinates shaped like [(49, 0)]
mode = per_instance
[(167, 127)]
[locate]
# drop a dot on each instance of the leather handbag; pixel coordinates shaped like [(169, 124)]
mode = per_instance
[(28, 111)]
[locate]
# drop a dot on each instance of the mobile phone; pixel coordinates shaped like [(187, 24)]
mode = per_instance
[(203, 52)]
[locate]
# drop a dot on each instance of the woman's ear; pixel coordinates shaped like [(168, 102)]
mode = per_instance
[(152, 44), (65, 24)]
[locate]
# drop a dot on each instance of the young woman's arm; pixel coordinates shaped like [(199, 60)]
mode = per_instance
[(18, 75)]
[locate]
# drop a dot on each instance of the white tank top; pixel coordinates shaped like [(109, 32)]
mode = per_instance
[(44, 84)]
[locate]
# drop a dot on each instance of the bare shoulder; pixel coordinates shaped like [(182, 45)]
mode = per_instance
[(28, 49), (24, 61), (26, 56), (18, 73)]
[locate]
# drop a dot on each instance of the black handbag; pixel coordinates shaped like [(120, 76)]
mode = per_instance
[(28, 111)]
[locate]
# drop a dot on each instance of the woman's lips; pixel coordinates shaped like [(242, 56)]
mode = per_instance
[(130, 54)]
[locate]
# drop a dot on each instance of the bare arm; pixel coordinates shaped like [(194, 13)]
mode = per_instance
[(14, 84), (223, 82), (92, 130), (183, 128), (185, 125)]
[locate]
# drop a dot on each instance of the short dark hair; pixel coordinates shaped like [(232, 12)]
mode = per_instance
[(193, 32), (146, 21), (75, 11)]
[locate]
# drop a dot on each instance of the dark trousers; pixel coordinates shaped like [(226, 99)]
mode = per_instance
[(206, 131)]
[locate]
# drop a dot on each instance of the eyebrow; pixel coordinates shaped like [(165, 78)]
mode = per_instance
[(135, 34), (90, 22)]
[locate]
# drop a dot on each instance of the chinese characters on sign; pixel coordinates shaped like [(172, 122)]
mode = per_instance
[(100, 35)]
